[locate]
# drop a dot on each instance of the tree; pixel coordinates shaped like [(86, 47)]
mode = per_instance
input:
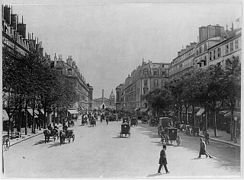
[(160, 100), (232, 89)]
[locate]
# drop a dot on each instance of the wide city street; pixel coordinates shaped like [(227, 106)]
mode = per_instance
[(100, 152)]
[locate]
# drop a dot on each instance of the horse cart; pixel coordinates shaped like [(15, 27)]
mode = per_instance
[(125, 130), (134, 121), (170, 135), (66, 134), (50, 132), (126, 120)]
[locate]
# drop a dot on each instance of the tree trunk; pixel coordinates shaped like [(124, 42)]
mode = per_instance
[(206, 119), (187, 121), (193, 115), (33, 118), (215, 123), (231, 125)]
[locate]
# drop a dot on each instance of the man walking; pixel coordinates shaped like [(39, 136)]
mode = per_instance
[(203, 150), (163, 160)]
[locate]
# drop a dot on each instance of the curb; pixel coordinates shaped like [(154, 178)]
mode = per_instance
[(222, 141), (37, 134)]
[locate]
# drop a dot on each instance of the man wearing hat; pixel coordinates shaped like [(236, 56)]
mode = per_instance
[(203, 150), (163, 160)]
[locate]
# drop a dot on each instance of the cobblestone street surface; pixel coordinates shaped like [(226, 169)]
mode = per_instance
[(100, 152)]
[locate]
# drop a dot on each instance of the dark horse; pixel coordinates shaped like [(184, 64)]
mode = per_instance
[(66, 134), (50, 132)]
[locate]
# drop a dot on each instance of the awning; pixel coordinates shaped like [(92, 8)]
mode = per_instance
[(200, 112), (235, 113), (137, 109), (5, 115), (144, 110), (72, 111), (31, 112)]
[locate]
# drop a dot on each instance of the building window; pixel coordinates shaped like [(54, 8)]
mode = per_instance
[(145, 82), (219, 52), (231, 46), (69, 71), (200, 50), (210, 56), (226, 48), (236, 44), (155, 72), (204, 63), (155, 83), (145, 71), (214, 54), (205, 47)]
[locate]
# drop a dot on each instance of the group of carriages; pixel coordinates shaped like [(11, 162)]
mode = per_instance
[(89, 119), (57, 133)]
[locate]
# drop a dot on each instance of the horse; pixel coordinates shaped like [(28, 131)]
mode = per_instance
[(50, 132)]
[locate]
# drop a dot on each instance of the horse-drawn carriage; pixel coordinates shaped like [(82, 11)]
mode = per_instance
[(126, 120), (93, 122), (133, 121), (169, 135), (125, 130), (167, 132), (50, 132), (153, 121), (66, 134)]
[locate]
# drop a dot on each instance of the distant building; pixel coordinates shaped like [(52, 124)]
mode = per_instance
[(103, 102), (73, 76), (141, 81)]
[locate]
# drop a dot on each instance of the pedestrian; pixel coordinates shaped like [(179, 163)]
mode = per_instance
[(106, 120), (203, 150), (163, 160), (206, 137)]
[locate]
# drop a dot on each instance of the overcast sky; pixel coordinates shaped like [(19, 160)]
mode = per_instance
[(108, 40)]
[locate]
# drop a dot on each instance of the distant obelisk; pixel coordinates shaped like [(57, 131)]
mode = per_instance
[(103, 95)]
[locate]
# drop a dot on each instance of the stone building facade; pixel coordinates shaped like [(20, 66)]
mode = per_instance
[(145, 78), (72, 75)]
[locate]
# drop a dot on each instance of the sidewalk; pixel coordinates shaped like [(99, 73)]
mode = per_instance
[(222, 136), (23, 137)]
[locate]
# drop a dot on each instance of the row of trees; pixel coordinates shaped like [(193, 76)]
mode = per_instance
[(29, 82), (213, 89)]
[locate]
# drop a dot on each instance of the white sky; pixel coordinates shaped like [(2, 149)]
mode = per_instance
[(108, 39)]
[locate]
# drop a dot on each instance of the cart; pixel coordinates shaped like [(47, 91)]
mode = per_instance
[(170, 135), (134, 121), (126, 120), (125, 130)]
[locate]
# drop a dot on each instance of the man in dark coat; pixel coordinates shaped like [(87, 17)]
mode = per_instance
[(203, 150), (163, 160)]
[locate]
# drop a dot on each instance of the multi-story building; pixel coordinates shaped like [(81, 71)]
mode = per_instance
[(183, 62), (141, 81), (208, 36), (224, 52), (72, 75)]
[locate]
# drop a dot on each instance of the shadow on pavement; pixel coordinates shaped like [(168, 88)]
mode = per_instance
[(55, 145), (40, 142), (155, 174)]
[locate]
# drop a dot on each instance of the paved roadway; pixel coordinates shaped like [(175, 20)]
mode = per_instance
[(99, 152)]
